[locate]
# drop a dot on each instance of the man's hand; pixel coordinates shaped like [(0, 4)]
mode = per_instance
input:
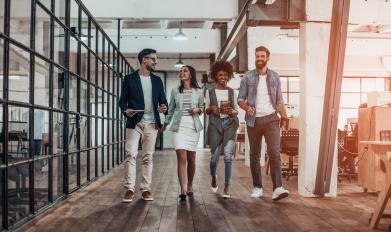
[(250, 110), (214, 110), (162, 108), (130, 113), (194, 111), (284, 123)]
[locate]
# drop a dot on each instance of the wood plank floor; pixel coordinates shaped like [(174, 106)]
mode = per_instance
[(98, 207)]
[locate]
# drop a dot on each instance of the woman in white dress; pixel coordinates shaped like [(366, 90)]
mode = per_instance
[(186, 104)]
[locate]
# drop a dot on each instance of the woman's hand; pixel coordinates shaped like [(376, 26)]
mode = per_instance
[(194, 111), (214, 110)]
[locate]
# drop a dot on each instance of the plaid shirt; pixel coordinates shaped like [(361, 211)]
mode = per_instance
[(249, 86)]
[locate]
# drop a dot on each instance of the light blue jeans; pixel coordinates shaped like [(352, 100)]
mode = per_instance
[(228, 151)]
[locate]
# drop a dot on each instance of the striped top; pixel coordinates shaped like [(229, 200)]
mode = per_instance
[(186, 101)]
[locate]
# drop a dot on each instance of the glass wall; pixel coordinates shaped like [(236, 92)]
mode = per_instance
[(59, 122)]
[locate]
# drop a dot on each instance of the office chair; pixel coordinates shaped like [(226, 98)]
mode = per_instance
[(290, 146)]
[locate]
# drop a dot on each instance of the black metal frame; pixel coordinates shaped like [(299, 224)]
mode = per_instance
[(114, 67)]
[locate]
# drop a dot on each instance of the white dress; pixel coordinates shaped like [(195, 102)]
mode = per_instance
[(187, 137)]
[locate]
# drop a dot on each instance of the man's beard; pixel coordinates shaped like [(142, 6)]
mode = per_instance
[(260, 65), (150, 68)]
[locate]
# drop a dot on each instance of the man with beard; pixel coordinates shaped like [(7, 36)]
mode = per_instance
[(142, 99), (260, 96)]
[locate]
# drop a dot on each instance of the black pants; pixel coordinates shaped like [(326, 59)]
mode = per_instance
[(267, 126)]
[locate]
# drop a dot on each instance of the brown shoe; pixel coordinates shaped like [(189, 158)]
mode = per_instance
[(128, 197), (147, 196)]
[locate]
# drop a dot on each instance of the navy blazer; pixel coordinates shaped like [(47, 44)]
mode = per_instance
[(132, 97)]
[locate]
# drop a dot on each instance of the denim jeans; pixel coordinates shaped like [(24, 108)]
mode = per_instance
[(228, 151), (267, 126)]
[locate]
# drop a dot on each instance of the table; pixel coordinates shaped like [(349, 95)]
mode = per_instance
[(382, 149)]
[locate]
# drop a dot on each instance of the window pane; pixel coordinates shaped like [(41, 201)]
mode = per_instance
[(1, 24), (18, 193), (72, 171), (108, 79), (350, 100), (105, 104), (92, 68), (350, 85), (92, 100), (93, 132), (19, 74), (100, 102), (92, 163), (84, 27), (100, 73), (18, 133), (294, 84), (74, 20), (1, 66), (99, 132), (41, 82), (83, 167), (60, 10), (20, 21), (84, 62), (73, 55), (59, 43), (99, 151), (58, 132), (93, 37), (46, 3), (284, 84), (72, 138), (344, 114), (372, 84), (42, 32), (73, 93), (41, 132), (58, 176), (83, 132), (41, 183), (83, 97), (58, 88), (294, 98)]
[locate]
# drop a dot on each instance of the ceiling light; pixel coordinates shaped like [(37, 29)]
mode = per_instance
[(179, 64), (180, 35)]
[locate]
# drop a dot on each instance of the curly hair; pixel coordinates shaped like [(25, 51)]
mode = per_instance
[(221, 65)]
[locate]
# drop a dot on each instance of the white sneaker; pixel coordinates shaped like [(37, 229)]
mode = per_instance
[(279, 193), (257, 192), (214, 189), (226, 195)]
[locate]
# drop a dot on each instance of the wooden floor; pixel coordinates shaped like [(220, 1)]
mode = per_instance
[(99, 208)]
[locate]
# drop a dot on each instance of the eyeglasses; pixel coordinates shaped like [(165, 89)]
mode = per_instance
[(154, 59)]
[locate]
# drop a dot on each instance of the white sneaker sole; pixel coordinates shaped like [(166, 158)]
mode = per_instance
[(127, 200), (147, 199), (226, 196)]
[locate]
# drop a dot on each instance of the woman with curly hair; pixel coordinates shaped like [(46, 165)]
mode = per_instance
[(222, 107), (186, 104)]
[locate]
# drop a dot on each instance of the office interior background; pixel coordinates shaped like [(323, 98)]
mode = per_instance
[(62, 63)]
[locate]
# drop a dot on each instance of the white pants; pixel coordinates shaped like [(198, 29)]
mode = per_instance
[(147, 133)]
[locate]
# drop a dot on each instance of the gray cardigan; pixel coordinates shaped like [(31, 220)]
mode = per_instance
[(175, 108)]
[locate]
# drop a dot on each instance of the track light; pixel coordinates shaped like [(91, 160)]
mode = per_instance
[(180, 35)]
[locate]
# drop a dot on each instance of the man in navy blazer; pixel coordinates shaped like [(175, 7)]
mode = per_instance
[(142, 99)]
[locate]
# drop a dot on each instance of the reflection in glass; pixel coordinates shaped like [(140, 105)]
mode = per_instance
[(18, 133), (58, 88), (99, 151), (93, 137), (41, 132), (20, 21), (83, 167), (72, 138), (73, 93), (92, 100), (59, 43), (19, 74), (41, 183), (72, 171), (83, 97), (100, 73), (59, 11), (100, 103), (42, 31), (73, 55), (104, 103), (84, 62), (92, 163), (99, 131), (18, 192), (92, 68), (41, 82), (1, 23), (108, 79), (58, 132), (57, 176), (83, 132)]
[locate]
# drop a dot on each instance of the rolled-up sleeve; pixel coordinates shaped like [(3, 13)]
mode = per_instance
[(242, 96), (279, 98)]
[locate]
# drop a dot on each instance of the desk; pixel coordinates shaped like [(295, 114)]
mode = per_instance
[(383, 150)]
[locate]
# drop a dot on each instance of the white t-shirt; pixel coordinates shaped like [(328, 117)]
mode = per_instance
[(221, 95), (264, 106), (146, 84)]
